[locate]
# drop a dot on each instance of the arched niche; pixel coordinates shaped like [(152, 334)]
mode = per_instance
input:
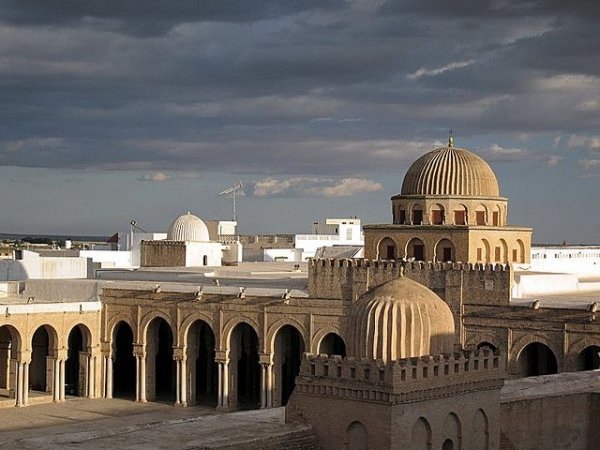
[(357, 437)]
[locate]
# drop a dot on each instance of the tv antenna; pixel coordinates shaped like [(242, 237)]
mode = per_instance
[(231, 192)]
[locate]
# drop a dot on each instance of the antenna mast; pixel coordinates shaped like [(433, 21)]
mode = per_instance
[(230, 192)]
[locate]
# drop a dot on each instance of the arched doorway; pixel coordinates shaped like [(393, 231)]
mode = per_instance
[(332, 344), (10, 344), (123, 375), (43, 345), (415, 249), (245, 376), (160, 365), (357, 437), (589, 358), (201, 364), (386, 249), (289, 347), (444, 251), (536, 359), (421, 435), (76, 365)]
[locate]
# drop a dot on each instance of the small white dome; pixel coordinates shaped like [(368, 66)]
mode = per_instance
[(188, 227)]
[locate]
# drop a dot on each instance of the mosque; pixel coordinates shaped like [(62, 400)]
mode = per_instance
[(407, 348)]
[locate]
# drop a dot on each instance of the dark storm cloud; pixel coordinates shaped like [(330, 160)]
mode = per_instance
[(298, 87), (151, 17)]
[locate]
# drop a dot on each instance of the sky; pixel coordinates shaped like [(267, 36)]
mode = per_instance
[(113, 110)]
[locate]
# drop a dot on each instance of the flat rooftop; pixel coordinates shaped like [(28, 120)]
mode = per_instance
[(551, 385), (108, 424)]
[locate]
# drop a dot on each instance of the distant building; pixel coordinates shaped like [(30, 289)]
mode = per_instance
[(188, 244)]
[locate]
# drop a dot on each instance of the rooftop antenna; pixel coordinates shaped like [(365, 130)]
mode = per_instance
[(230, 192), (451, 138)]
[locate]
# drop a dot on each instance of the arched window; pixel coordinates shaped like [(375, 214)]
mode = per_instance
[(460, 215), (415, 249), (481, 215), (417, 215), (437, 215), (205, 260), (386, 249), (444, 251)]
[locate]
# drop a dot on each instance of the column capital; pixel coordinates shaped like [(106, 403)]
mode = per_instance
[(265, 358), (24, 357), (139, 350), (179, 353), (222, 356), (106, 348)]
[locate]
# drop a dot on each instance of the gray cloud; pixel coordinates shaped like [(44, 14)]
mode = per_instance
[(290, 87), (314, 187)]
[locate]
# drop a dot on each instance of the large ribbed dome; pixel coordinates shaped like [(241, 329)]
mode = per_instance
[(400, 319), (188, 228), (450, 171)]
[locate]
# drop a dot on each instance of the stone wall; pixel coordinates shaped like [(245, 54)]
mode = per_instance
[(568, 422), (162, 254), (474, 284), (455, 396)]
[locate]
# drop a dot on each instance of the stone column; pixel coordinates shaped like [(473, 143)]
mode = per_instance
[(62, 379), (179, 356), (56, 380), (184, 383), (266, 380), (106, 370), (26, 383), (109, 377), (222, 359), (19, 388), (177, 381), (139, 352)]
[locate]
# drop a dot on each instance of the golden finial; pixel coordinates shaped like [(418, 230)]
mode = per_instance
[(450, 138)]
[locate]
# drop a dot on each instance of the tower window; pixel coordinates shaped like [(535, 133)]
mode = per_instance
[(480, 217)]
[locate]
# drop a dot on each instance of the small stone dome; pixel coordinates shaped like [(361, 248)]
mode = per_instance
[(400, 319), (450, 171), (188, 227)]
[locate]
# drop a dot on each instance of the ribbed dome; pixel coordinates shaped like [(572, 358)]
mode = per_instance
[(401, 319), (188, 228), (450, 171)]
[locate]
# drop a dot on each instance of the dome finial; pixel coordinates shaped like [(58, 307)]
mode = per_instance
[(450, 138)]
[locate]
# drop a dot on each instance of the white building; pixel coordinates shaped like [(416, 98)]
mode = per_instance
[(26, 265), (581, 260), (334, 232), (558, 269)]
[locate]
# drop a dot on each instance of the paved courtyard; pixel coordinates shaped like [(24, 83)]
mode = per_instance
[(108, 424)]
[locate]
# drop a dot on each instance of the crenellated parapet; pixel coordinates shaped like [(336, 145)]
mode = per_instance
[(457, 283), (401, 381)]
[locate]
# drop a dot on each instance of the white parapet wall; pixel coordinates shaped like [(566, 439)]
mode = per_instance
[(583, 261)]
